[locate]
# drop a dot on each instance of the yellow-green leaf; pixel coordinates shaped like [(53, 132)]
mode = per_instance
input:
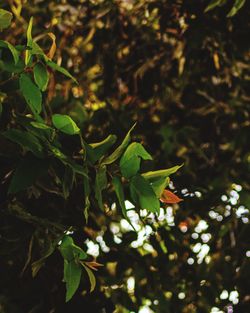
[(5, 18), (65, 124)]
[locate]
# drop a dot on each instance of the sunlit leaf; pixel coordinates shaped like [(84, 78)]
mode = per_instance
[(60, 69), (97, 150), (238, 4), (65, 124), (161, 173), (213, 4), (28, 52), (118, 152), (131, 159), (5, 18)]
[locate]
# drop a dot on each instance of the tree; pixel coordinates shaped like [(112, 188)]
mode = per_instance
[(161, 65)]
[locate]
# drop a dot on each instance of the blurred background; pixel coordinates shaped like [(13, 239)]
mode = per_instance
[(183, 75)]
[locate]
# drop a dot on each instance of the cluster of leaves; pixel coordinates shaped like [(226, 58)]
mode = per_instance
[(41, 165), (183, 75), (238, 4)]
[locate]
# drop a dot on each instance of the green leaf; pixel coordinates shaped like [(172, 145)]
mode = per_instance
[(159, 185), (26, 140), (9, 65), (86, 188), (36, 266), (65, 124), (28, 53), (120, 194), (161, 173), (68, 181), (71, 251), (41, 130), (66, 248), (91, 276), (100, 184), (143, 193), (131, 159), (60, 69), (118, 152), (31, 94), (72, 277), (41, 76), (213, 4), (26, 173), (97, 150), (237, 6), (15, 53), (41, 126), (5, 18)]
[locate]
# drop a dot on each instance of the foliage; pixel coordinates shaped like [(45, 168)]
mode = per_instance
[(42, 158), (181, 72)]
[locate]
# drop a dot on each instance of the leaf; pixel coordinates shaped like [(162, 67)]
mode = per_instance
[(93, 265), (143, 193), (100, 184), (26, 173), (120, 194), (236, 7), (213, 4), (9, 65), (36, 266), (68, 181), (60, 69), (26, 140), (65, 124), (41, 76), (5, 18), (41, 130), (159, 185), (15, 53), (31, 94), (52, 49), (28, 52), (131, 159), (169, 197), (86, 188), (72, 277), (118, 152), (66, 248), (161, 173), (71, 251), (91, 276), (96, 150)]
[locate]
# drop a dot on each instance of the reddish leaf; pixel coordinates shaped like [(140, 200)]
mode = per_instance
[(169, 197), (93, 265)]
